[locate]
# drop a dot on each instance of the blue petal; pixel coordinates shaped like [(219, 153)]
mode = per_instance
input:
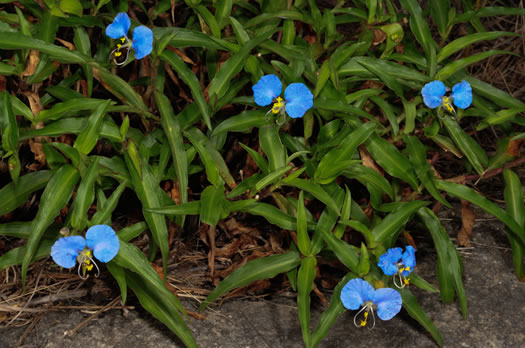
[(266, 90), (298, 99), (103, 241), (355, 293), (142, 41), (65, 250), (388, 261), (432, 93), (388, 303), (119, 27), (409, 259), (462, 94)]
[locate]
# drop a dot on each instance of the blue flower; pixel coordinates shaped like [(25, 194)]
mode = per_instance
[(358, 293), (434, 95), (395, 262), (462, 94), (101, 240), (142, 38), (297, 97)]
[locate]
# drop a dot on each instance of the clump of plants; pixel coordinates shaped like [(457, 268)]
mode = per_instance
[(322, 119)]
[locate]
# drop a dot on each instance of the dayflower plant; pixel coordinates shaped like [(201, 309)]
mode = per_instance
[(101, 241), (142, 42), (434, 95), (297, 97), (358, 293), (398, 264)]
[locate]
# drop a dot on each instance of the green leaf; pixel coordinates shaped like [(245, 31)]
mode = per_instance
[(150, 194), (305, 282), (189, 208), (439, 11), (242, 122), (120, 276), (324, 172), (449, 69), (55, 197), (449, 262), (473, 197), (467, 40), (16, 256), (121, 89), (315, 190), (272, 214), (143, 278), (84, 197), (83, 44), (88, 137), (8, 124), (260, 268), (344, 252), (71, 6), (468, 146), (330, 315), (424, 173), (367, 175), (212, 202), (516, 208), (415, 311), (211, 158), (220, 83), (173, 131), (103, 215), (271, 144), (12, 40), (303, 240), (389, 228), (189, 79), (392, 161)]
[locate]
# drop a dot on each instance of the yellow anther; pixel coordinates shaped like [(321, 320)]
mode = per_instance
[(89, 267), (407, 269), (123, 39), (363, 322), (447, 103), (119, 46), (277, 105), (118, 54)]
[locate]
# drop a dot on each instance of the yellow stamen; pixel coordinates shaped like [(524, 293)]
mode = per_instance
[(123, 39), (119, 46), (406, 281), (118, 54), (363, 322), (277, 105), (447, 103)]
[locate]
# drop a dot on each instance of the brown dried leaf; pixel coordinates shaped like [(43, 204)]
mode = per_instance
[(368, 161), (468, 218), (379, 37), (229, 249), (514, 148), (68, 44), (34, 58), (34, 103)]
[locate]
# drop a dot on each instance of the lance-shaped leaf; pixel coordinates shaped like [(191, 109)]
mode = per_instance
[(305, 282), (325, 171), (149, 193), (55, 197), (388, 229), (190, 79), (88, 137), (261, 268), (85, 196), (516, 208)]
